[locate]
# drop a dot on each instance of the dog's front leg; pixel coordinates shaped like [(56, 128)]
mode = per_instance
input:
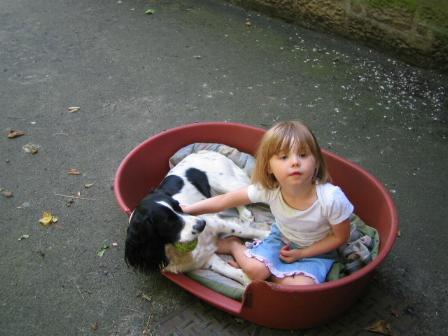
[(235, 229), (218, 265)]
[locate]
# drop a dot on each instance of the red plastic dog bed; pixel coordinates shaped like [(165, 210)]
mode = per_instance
[(264, 303)]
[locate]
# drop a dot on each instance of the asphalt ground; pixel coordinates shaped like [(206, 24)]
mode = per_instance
[(133, 75)]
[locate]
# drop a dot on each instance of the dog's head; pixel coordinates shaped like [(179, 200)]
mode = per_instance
[(158, 220)]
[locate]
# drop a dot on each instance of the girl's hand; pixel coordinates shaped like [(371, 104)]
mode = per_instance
[(289, 255)]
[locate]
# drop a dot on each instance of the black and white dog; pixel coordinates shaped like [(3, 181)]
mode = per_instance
[(158, 221)]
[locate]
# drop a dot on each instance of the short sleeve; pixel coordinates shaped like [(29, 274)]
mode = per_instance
[(257, 194), (338, 207)]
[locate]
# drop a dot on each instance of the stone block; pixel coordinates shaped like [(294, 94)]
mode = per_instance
[(395, 17), (404, 27)]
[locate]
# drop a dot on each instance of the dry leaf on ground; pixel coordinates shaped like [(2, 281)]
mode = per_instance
[(48, 219), (31, 148), (15, 133), (380, 327), (74, 171), (6, 193), (94, 327), (145, 296), (73, 109)]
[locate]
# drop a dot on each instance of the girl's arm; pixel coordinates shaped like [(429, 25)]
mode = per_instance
[(218, 203), (339, 236)]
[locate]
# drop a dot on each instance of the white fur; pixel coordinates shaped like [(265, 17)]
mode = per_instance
[(223, 176)]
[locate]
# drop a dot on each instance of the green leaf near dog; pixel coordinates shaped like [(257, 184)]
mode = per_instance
[(102, 249)]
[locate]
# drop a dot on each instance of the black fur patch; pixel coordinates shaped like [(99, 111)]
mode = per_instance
[(199, 179), (171, 185), (151, 227)]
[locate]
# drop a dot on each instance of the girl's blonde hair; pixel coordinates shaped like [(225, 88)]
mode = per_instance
[(283, 137)]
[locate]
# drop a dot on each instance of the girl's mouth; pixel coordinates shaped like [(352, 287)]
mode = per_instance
[(295, 174)]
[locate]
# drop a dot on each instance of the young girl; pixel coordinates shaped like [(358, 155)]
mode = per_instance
[(311, 215)]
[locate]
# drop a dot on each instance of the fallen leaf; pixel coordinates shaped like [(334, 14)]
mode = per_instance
[(94, 327), (31, 148), (15, 133), (88, 185), (380, 327), (48, 219), (150, 11), (73, 109), (6, 193), (102, 250), (74, 171), (146, 297), (24, 236)]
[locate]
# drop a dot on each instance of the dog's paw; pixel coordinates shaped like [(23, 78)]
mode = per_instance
[(245, 215)]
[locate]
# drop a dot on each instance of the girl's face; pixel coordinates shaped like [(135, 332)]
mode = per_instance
[(295, 168)]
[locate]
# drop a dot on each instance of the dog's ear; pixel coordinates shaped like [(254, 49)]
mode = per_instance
[(144, 249)]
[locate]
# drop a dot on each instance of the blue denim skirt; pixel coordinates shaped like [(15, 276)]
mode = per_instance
[(268, 251)]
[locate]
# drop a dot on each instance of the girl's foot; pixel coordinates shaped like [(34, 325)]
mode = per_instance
[(225, 245)]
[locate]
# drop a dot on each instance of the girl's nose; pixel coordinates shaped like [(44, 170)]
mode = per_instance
[(295, 160)]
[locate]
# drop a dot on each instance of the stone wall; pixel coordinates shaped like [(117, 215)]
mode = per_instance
[(414, 30)]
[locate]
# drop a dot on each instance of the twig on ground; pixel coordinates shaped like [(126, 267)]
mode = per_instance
[(77, 197), (79, 291)]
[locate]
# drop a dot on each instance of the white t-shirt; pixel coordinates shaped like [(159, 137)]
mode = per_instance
[(305, 227)]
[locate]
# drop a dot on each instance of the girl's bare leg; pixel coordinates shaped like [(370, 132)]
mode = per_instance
[(255, 269)]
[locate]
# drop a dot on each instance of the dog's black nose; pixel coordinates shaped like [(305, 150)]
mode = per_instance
[(200, 225)]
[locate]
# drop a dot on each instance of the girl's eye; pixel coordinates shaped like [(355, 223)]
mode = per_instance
[(282, 156)]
